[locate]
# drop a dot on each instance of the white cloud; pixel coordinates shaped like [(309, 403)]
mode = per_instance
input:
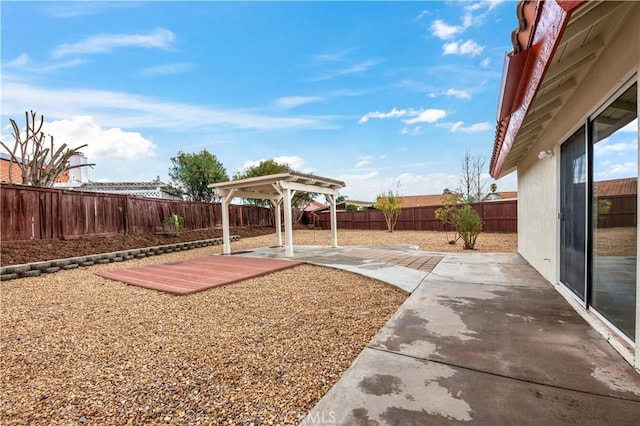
[(160, 38), (471, 18), (364, 160), (176, 68), (606, 146), (485, 63), (293, 161), (391, 114), (477, 127), (459, 126), (118, 109), (23, 63), (75, 9), (445, 31), (422, 15), (103, 144), (493, 3), (427, 116), (368, 185), (331, 57), (618, 171), (295, 101), (460, 94), (19, 62), (459, 47), (353, 69)]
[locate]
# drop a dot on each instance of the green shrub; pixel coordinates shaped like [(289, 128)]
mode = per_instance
[(469, 226), (173, 224)]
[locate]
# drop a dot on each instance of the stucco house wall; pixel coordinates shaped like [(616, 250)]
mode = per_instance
[(538, 180)]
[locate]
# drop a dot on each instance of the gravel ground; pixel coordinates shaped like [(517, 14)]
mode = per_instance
[(425, 240), (80, 349)]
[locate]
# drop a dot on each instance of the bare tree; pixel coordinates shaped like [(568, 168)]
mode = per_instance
[(39, 165), (471, 184), (479, 186)]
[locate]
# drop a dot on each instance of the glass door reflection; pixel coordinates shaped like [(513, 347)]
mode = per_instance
[(614, 212)]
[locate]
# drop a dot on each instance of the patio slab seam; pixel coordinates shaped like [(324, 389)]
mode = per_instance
[(504, 376)]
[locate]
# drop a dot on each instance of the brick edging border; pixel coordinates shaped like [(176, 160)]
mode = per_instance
[(36, 269)]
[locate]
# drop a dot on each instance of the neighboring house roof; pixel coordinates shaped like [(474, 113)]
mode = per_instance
[(155, 188), (503, 195), (314, 205), (359, 203), (628, 186), (422, 200), (342, 205), (16, 174)]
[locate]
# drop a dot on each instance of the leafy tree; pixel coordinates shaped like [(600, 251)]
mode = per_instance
[(448, 215), (192, 173), (300, 199), (390, 204), (447, 191), (39, 165)]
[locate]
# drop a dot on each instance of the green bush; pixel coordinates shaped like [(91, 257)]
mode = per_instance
[(469, 226), (173, 224)]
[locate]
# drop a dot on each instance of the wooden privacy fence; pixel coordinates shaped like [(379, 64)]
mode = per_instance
[(617, 211), (33, 213), (497, 217)]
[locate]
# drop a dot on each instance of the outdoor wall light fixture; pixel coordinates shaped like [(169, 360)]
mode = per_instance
[(545, 154)]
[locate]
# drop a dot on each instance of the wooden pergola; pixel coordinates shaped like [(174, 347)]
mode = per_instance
[(279, 189)]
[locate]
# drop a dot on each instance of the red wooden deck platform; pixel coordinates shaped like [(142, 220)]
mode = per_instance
[(196, 275)]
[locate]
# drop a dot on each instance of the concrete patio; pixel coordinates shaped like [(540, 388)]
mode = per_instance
[(482, 338)]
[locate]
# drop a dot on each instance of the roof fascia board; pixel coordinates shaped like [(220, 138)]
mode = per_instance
[(551, 20)]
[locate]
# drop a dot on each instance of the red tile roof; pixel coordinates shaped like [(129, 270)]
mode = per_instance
[(628, 186), (421, 200)]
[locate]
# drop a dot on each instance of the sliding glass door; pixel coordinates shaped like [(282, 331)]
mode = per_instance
[(573, 214), (614, 135)]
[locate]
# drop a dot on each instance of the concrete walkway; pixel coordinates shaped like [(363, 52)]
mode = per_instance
[(482, 339)]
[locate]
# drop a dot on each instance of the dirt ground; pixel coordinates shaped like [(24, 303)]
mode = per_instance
[(15, 253)]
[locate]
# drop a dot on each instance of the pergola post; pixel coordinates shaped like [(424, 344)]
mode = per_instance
[(334, 221), (278, 212), (226, 240), (288, 223)]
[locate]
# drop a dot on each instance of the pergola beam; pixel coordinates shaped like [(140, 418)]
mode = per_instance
[(307, 188)]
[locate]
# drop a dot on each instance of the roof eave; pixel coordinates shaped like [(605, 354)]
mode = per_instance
[(524, 72)]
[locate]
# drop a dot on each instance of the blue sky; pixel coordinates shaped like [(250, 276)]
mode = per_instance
[(371, 93)]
